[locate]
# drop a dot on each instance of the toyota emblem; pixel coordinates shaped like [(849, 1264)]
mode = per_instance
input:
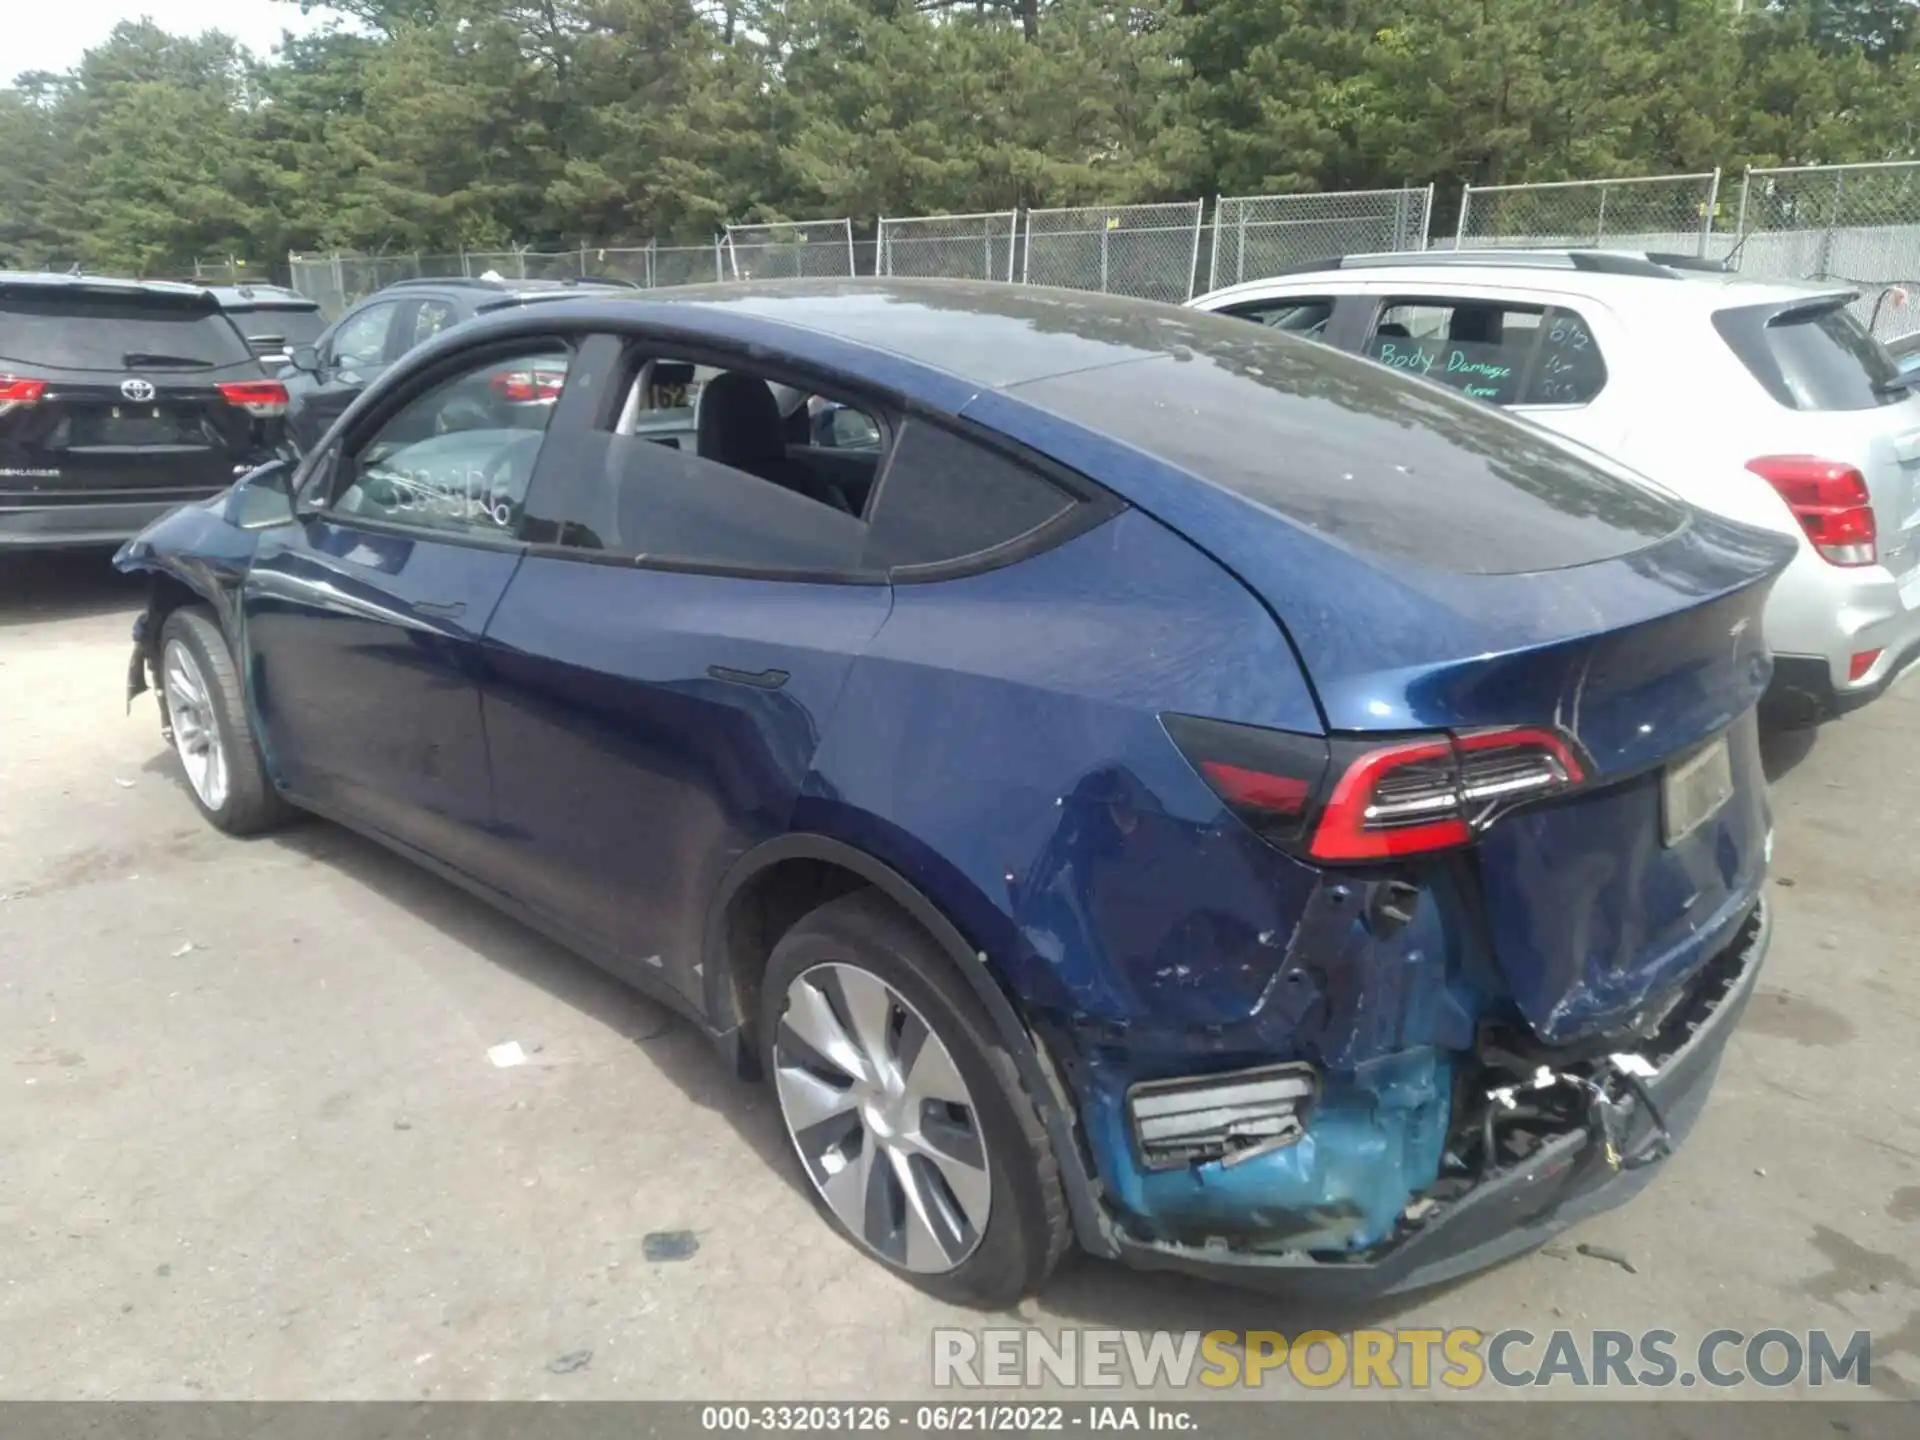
[(137, 390)]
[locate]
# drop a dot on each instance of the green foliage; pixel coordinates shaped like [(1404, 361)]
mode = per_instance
[(434, 124)]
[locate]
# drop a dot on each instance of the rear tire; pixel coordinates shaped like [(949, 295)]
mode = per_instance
[(205, 712), (916, 1089)]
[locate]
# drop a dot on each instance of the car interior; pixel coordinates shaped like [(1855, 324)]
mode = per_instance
[(823, 449)]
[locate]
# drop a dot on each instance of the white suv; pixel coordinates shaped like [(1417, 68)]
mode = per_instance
[(1766, 402)]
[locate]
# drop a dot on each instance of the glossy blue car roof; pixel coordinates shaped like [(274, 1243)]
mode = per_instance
[(990, 334)]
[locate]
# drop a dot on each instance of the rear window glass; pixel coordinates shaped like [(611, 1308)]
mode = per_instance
[(1816, 358), (70, 330), (1365, 457), (293, 327)]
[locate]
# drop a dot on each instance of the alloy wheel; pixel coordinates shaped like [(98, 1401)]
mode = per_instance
[(195, 734), (882, 1119)]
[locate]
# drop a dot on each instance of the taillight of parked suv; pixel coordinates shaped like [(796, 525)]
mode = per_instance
[(265, 399), (19, 390), (1345, 801), (1831, 502)]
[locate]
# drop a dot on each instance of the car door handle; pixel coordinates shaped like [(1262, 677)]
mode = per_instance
[(450, 610), (759, 679)]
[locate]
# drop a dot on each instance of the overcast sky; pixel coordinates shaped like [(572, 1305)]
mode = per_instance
[(52, 34)]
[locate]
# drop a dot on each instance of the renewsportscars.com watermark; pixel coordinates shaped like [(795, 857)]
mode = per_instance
[(1454, 1359)]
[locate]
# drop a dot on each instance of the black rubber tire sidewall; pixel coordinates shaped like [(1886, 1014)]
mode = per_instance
[(1027, 1227), (252, 804)]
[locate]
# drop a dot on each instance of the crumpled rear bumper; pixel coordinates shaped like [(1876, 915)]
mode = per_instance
[(1513, 1211)]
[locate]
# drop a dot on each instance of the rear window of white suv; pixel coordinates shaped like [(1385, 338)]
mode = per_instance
[(1812, 357)]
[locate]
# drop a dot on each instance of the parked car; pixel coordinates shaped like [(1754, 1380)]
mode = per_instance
[(1762, 401), (1182, 791), (273, 318), (120, 399), (324, 378)]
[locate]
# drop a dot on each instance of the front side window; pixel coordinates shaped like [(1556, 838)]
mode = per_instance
[(1503, 353), (459, 458), (362, 338), (1295, 315)]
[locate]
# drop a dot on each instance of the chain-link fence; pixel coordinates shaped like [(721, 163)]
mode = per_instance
[(1259, 235), (1152, 251), (1858, 223), (1670, 214), (790, 250), (962, 247), (225, 272)]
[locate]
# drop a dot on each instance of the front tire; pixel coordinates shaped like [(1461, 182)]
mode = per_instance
[(206, 716), (915, 1136)]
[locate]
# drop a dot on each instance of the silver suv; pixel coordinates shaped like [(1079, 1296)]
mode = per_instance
[(1764, 401)]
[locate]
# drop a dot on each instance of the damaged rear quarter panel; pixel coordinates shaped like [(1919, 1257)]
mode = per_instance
[(1141, 930)]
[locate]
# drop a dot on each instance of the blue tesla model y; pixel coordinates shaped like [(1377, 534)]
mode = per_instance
[(1126, 777)]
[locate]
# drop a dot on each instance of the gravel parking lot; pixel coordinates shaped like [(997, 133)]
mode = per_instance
[(252, 1145)]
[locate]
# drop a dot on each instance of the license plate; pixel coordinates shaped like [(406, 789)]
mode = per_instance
[(1692, 790)]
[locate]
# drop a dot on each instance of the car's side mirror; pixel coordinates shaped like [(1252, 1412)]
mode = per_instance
[(305, 357), (263, 497)]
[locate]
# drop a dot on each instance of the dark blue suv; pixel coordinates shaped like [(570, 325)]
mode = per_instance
[(1132, 778), (326, 376)]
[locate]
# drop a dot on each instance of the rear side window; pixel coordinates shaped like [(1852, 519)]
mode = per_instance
[(71, 329), (945, 498), (1506, 354), (728, 483), (1295, 315), (1812, 358)]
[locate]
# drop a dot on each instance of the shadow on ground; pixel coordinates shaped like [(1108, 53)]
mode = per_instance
[(1782, 749), (63, 585)]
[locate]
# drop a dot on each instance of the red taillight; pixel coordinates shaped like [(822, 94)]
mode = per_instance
[(17, 390), (1861, 663), (264, 398), (527, 387), (1349, 800), (1829, 500), (1237, 785)]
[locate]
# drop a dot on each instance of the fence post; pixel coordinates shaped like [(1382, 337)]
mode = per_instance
[(339, 280), (852, 268), (719, 270), (1105, 232), (583, 259), (1013, 243), (1706, 220), (1460, 230), (1833, 222), (1240, 243), (1426, 218), (1193, 264), (1213, 260), (1740, 225), (1600, 220)]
